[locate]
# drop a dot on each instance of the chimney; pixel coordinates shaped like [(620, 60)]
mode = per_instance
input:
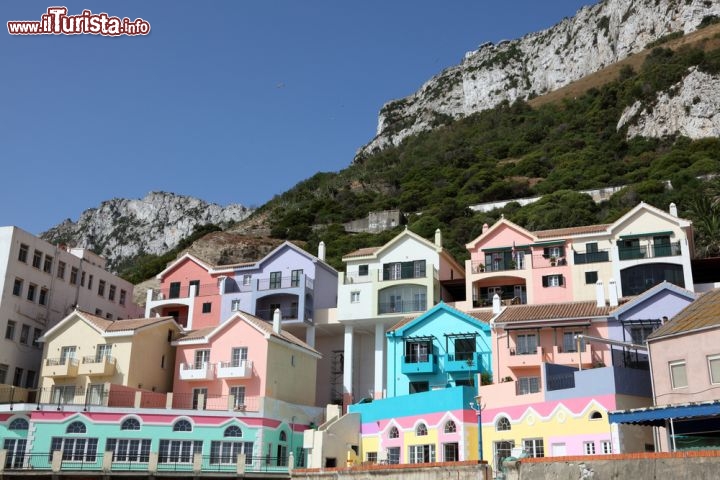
[(612, 290), (599, 293), (321, 251), (277, 328), (438, 238), (496, 304), (485, 228), (673, 209)]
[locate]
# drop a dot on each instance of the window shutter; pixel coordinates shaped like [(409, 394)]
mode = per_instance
[(561, 280), (545, 281), (546, 252)]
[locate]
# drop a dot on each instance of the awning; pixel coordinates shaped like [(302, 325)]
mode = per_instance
[(656, 416), (497, 249), (641, 235), (549, 243)]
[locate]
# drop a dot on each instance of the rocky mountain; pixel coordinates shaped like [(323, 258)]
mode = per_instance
[(122, 228), (538, 63)]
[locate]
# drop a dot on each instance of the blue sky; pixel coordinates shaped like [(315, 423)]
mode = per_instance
[(228, 101)]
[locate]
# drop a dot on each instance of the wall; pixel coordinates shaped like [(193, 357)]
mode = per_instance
[(640, 466), (291, 373), (145, 368), (469, 470)]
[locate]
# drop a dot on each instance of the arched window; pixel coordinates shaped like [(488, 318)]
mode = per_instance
[(233, 431), (394, 433), (421, 430), (502, 425), (19, 424), (182, 426), (595, 415), (450, 427), (283, 436), (130, 424), (76, 427)]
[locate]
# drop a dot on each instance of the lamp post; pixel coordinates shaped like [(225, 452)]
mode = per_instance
[(477, 406)]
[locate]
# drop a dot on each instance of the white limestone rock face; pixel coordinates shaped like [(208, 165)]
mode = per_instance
[(690, 108), (597, 36), (120, 228)]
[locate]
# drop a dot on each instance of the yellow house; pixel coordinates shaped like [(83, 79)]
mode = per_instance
[(84, 356)]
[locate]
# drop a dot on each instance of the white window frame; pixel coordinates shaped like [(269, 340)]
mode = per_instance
[(677, 363), (606, 447), (418, 453), (710, 360), (532, 447), (246, 280), (589, 448), (235, 305), (355, 296)]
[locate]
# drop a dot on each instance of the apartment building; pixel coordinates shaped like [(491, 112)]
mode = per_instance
[(41, 283)]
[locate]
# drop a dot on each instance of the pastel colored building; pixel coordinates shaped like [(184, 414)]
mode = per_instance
[(685, 363), (86, 357), (380, 286), (288, 278), (434, 363), (241, 363), (643, 248), (190, 290), (41, 283), (200, 295)]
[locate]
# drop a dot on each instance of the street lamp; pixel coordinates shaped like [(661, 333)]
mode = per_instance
[(478, 407)]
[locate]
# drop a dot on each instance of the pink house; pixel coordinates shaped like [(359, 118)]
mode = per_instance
[(241, 363), (189, 292)]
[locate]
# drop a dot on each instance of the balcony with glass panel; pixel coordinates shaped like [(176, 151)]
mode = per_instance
[(101, 366)]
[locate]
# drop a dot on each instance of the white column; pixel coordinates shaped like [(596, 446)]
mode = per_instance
[(379, 360), (347, 361)]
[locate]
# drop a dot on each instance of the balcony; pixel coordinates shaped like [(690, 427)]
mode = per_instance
[(202, 371), (422, 363), (545, 261), (99, 367), (241, 369), (525, 359), (652, 250), (287, 313), (61, 367), (571, 357), (582, 258), (463, 362), (479, 266), (402, 306), (285, 283)]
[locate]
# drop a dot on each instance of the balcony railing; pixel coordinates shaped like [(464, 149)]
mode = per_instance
[(168, 293), (102, 366), (241, 369), (479, 266), (463, 362), (287, 313), (581, 258), (402, 306), (652, 250), (419, 363), (190, 371), (62, 367), (547, 261), (284, 283)]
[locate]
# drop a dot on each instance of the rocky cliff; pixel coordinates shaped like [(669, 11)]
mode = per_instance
[(122, 228), (597, 36)]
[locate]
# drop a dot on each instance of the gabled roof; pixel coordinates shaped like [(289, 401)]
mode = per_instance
[(647, 294), (702, 314), (520, 314), (374, 252), (205, 335), (184, 258), (107, 327), (681, 222), (285, 245), (407, 322), (497, 225)]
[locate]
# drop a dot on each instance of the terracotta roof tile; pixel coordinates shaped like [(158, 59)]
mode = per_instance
[(198, 334), (553, 311), (361, 252), (702, 313), (566, 232), (402, 322), (484, 315), (106, 325)]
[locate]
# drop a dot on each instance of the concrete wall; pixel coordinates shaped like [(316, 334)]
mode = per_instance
[(470, 470), (650, 466)]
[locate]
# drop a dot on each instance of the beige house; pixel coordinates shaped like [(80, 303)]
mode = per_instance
[(85, 355)]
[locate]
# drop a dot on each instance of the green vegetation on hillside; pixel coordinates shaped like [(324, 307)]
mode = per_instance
[(513, 151)]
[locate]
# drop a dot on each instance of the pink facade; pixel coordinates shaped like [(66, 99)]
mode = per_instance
[(175, 284), (233, 334)]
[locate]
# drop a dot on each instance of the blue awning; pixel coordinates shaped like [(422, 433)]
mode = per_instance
[(657, 416)]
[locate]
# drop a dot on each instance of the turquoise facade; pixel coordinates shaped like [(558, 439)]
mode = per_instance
[(441, 348)]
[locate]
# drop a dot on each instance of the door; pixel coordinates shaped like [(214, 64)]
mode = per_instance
[(196, 398), (95, 394), (501, 450), (202, 357), (174, 290)]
